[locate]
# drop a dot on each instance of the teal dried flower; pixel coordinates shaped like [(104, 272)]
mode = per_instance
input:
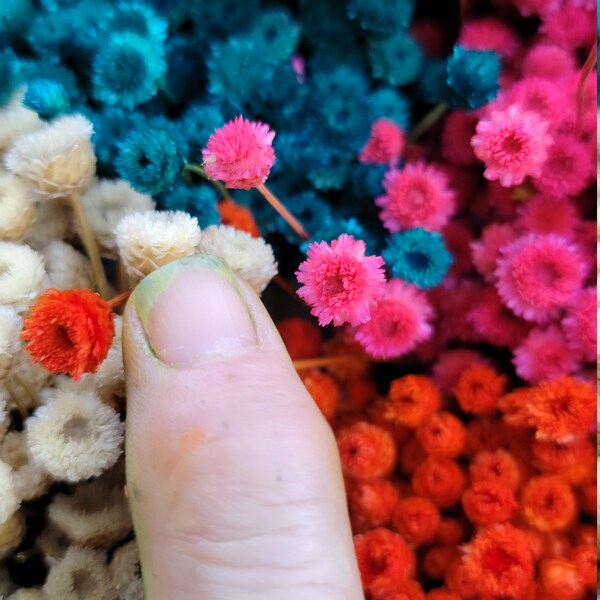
[(226, 16), (418, 256), (388, 103), (150, 160), (396, 59), (199, 201), (136, 17), (277, 33), (47, 98), (332, 227), (15, 16), (384, 16), (431, 84), (126, 70), (8, 76)]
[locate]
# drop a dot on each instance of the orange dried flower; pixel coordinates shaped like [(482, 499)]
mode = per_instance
[(372, 503), (499, 466), (358, 392), (237, 216), (384, 560), (69, 331), (451, 532), (560, 579), (409, 590), (484, 434), (366, 451), (589, 495), (343, 344), (439, 479), (411, 455), (461, 580), (324, 391), (574, 461), (416, 519), (585, 557), (500, 561), (302, 338), (442, 435), (478, 389), (585, 535), (442, 594), (548, 503), (437, 559), (413, 399), (488, 502)]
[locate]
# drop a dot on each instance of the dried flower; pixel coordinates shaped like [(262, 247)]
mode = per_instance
[(560, 579), (499, 466), (442, 435), (251, 258), (75, 436), (478, 389), (125, 572), (149, 240), (10, 329), (340, 282), (385, 144), (12, 532), (372, 503), (441, 480), (488, 502), (16, 120), (9, 499), (580, 324), (548, 503), (324, 391), (237, 216), (66, 268), (17, 210), (413, 399), (69, 331), (56, 160), (29, 479), (240, 153), (301, 337), (416, 519)]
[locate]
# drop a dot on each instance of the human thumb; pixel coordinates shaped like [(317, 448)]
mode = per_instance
[(233, 475)]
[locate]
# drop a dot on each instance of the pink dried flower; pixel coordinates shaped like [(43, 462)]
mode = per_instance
[(540, 8), (513, 144), (399, 321), (544, 355), (537, 276), (385, 145), (458, 236), (537, 95), (340, 282), (486, 250), (572, 27), (417, 196), (459, 128), (548, 215), (240, 154), (580, 324), (490, 34), (548, 62)]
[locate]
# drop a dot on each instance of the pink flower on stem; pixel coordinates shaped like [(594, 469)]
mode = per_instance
[(417, 196), (385, 144), (513, 144), (340, 282)]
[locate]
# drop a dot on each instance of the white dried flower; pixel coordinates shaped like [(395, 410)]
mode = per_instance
[(30, 480), (106, 203), (57, 159), (11, 533), (82, 573), (109, 379), (53, 221), (28, 594), (66, 268), (25, 382), (17, 209), (9, 499), (75, 436), (10, 329), (150, 240), (251, 258), (125, 572), (53, 544), (16, 120), (22, 275)]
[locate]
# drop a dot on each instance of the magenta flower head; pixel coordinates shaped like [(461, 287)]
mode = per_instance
[(340, 282), (240, 154)]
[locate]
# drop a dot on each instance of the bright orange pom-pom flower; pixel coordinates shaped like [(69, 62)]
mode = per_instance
[(439, 479), (442, 435), (416, 519), (413, 399), (323, 389), (69, 331), (488, 502), (372, 503), (499, 466), (548, 503), (237, 216), (560, 579), (478, 389), (301, 337)]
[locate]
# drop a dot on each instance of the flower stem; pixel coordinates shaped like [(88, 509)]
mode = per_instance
[(198, 170), (114, 302), (283, 211), (427, 121), (90, 244), (325, 361)]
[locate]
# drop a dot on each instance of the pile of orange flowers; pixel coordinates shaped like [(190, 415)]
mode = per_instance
[(461, 489)]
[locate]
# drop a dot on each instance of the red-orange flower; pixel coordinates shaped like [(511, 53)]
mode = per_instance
[(301, 337), (437, 559), (441, 480), (413, 399), (442, 435), (484, 434), (372, 503), (324, 391), (548, 503), (499, 466), (409, 590), (416, 519), (574, 462), (488, 502), (478, 389), (585, 556), (69, 331), (560, 579), (451, 532), (237, 216), (442, 594)]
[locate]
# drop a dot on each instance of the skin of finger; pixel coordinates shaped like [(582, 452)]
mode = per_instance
[(233, 476)]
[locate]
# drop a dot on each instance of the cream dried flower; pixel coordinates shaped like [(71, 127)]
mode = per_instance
[(30, 480), (53, 544), (11, 533), (66, 268), (22, 275), (82, 573), (26, 381), (251, 258), (4, 414), (17, 209), (9, 499), (125, 572), (150, 240), (53, 221), (10, 328), (75, 436), (109, 379), (57, 159), (28, 594), (16, 120), (106, 203)]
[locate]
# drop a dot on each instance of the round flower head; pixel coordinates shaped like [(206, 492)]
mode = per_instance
[(250, 257), (240, 154), (385, 144), (513, 144), (69, 331), (548, 503), (489, 34), (75, 436), (56, 160), (340, 282), (323, 389), (16, 120), (451, 363), (22, 275), (9, 500), (418, 256), (571, 27), (478, 388), (17, 210), (580, 324), (395, 58), (499, 466), (10, 328), (488, 502), (441, 480), (548, 62), (372, 502), (125, 572), (412, 400), (399, 321), (66, 267), (416, 519), (544, 97), (151, 239), (537, 275), (417, 196), (542, 214), (485, 251), (47, 98)]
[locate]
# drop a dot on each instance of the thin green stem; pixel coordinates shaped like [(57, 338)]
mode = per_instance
[(198, 170), (427, 121)]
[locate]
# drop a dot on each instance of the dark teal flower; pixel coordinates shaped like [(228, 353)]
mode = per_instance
[(431, 84), (150, 160), (396, 59), (383, 16), (200, 201), (8, 76), (472, 77), (326, 26), (136, 17), (47, 98), (389, 103), (226, 16), (126, 70), (277, 33), (418, 256), (29, 70), (15, 16), (185, 64), (367, 182), (331, 228), (196, 125)]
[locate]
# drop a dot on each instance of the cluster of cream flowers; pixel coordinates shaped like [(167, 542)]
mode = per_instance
[(53, 429)]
